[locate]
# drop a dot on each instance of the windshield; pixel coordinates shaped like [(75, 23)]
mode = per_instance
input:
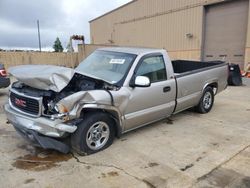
[(105, 65)]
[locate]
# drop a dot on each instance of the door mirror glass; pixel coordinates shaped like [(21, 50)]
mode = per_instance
[(142, 81)]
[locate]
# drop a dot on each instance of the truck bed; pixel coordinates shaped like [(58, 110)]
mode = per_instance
[(192, 77), (185, 67)]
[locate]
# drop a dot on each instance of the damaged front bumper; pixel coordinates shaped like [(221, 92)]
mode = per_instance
[(45, 126), (42, 141), (40, 131)]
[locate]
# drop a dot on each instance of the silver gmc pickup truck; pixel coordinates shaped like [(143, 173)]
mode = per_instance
[(112, 91)]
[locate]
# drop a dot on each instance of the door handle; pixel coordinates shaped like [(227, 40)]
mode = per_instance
[(166, 89)]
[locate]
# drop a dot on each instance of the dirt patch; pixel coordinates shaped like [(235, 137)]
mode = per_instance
[(109, 174), (88, 167), (113, 173), (6, 133), (198, 159), (246, 181), (29, 180), (187, 167), (215, 144), (1, 109), (153, 164), (103, 175), (31, 149), (39, 159), (226, 178), (155, 181), (169, 121)]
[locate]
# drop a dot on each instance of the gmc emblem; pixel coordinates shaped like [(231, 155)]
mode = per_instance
[(20, 102)]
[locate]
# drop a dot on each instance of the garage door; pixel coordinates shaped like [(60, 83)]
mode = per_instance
[(225, 31)]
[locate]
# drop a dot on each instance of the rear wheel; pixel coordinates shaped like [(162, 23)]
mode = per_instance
[(206, 101), (94, 133)]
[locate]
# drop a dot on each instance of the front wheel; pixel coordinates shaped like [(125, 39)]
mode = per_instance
[(206, 101), (94, 133)]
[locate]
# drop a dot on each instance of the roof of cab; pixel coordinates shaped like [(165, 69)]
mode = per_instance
[(131, 50)]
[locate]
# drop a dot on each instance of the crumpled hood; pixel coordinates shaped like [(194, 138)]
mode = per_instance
[(45, 77)]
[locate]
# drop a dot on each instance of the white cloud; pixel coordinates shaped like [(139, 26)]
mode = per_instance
[(18, 23)]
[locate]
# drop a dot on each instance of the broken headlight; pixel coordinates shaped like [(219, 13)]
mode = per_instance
[(61, 111)]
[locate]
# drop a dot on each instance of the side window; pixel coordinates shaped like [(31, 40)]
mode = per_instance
[(153, 68)]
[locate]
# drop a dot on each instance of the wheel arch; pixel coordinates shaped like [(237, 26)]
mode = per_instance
[(111, 112), (213, 85), (200, 106)]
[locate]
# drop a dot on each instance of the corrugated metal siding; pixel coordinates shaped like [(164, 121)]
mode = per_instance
[(166, 31), (247, 59), (156, 23), (248, 29), (247, 51), (144, 8), (143, 19)]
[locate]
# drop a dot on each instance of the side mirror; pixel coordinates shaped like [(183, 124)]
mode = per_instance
[(141, 81)]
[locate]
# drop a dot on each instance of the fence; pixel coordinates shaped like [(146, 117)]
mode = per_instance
[(10, 59), (85, 50)]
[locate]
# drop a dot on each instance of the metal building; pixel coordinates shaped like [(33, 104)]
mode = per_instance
[(187, 29)]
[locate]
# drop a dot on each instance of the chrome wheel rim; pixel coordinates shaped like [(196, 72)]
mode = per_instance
[(207, 100), (97, 135)]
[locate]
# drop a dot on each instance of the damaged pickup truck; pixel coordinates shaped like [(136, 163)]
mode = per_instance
[(112, 91)]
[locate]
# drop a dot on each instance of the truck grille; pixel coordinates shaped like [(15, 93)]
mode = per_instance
[(25, 104)]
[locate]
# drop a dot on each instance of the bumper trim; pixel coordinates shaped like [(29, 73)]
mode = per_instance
[(43, 141)]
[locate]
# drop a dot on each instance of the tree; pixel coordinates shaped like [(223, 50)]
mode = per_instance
[(57, 45), (69, 47)]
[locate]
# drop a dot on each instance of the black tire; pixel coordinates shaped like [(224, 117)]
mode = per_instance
[(86, 129), (205, 105)]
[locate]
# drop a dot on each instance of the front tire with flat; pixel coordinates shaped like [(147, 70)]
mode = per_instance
[(94, 133)]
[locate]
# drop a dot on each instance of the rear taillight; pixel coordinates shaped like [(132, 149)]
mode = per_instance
[(3, 72)]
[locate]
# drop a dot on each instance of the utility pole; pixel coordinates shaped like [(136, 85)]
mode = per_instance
[(39, 38)]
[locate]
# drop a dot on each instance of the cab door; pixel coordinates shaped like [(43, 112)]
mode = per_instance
[(149, 104)]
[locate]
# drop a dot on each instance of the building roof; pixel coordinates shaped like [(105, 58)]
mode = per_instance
[(132, 1), (130, 50)]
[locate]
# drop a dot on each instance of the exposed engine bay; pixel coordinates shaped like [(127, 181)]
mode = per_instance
[(50, 98)]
